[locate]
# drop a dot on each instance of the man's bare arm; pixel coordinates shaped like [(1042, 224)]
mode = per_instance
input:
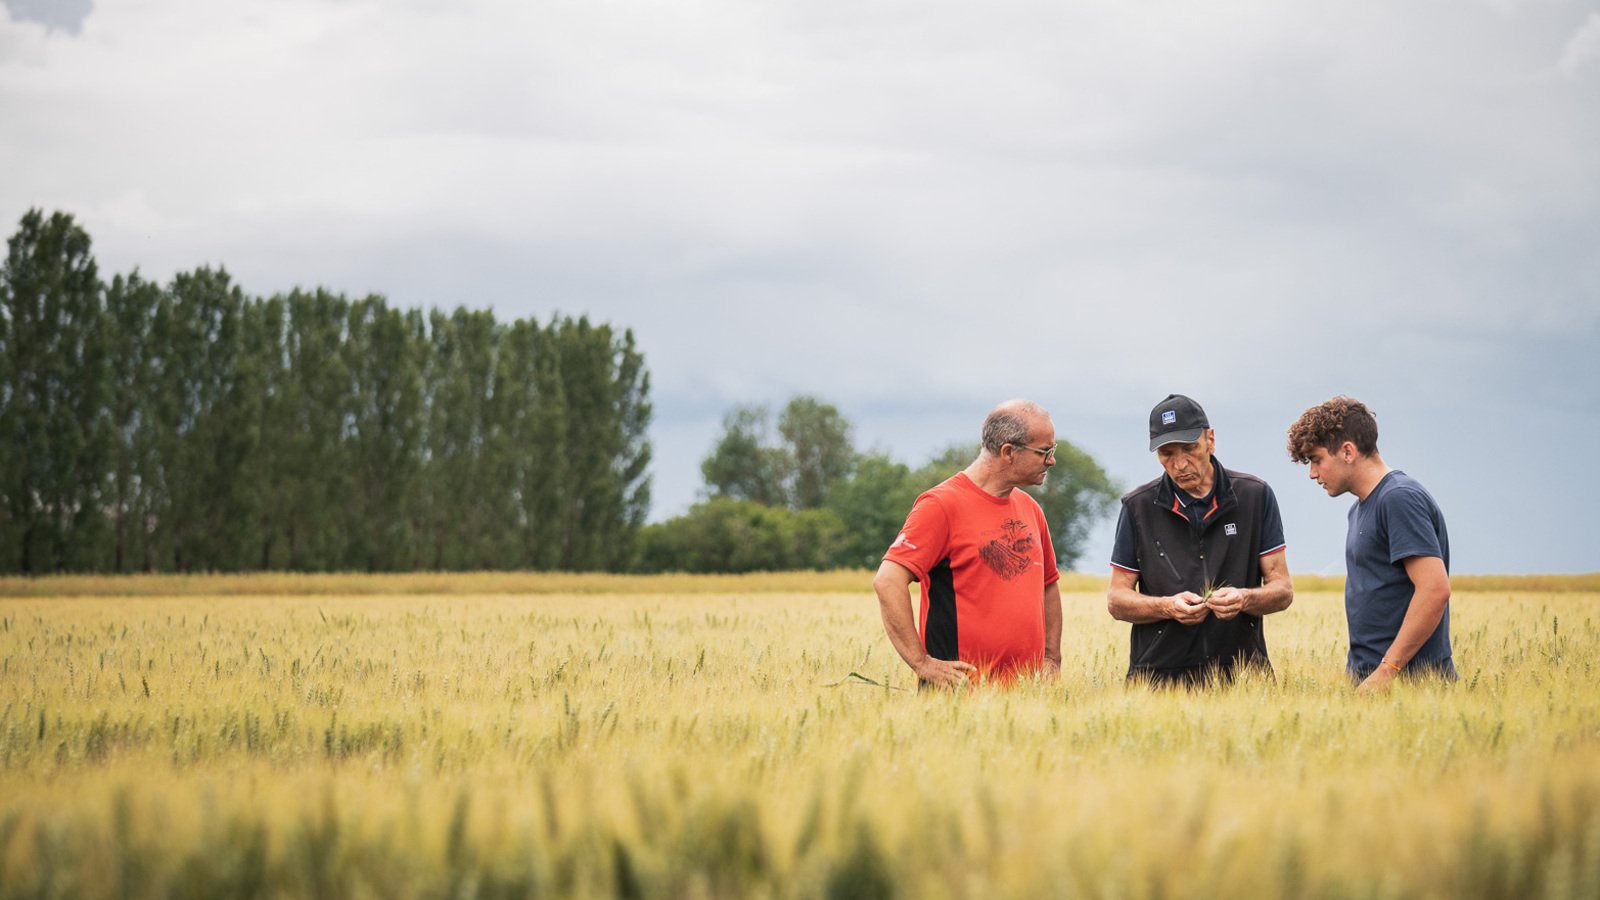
[(1126, 604), (893, 587), (1430, 596), (1274, 594), (1052, 629)]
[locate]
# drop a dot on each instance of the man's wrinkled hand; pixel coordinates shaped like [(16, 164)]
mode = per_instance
[(1187, 608), (1226, 602), (946, 672)]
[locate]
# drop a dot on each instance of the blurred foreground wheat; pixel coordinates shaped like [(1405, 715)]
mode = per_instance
[(759, 743)]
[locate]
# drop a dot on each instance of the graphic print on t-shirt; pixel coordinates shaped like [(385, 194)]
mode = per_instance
[(1009, 556)]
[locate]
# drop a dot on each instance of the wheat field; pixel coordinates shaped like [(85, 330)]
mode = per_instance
[(515, 736)]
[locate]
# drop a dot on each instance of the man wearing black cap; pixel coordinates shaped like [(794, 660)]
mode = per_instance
[(1198, 560)]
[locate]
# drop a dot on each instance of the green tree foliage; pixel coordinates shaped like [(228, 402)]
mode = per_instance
[(727, 535), (763, 490), (461, 501), (744, 465), (812, 450), (190, 427), (208, 413), (130, 310), (817, 436), (307, 456), (55, 420), (1077, 494), (607, 412), (945, 463), (385, 352), (872, 505), (535, 399)]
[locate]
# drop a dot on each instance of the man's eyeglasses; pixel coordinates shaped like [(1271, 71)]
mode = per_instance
[(1049, 453)]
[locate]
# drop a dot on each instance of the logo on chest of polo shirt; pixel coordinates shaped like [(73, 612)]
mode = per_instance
[(1230, 529)]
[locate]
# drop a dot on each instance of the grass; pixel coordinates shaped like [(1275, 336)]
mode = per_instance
[(703, 738)]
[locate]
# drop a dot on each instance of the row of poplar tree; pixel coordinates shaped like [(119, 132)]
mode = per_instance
[(189, 427)]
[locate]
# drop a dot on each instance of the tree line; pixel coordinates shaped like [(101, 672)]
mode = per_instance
[(798, 495), (189, 427)]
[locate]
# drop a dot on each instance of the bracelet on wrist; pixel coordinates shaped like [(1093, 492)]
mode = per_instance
[(1391, 665)]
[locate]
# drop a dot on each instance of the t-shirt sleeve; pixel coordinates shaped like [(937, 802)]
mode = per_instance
[(1271, 524), (923, 539), (1124, 548), (1052, 573), (1408, 518)]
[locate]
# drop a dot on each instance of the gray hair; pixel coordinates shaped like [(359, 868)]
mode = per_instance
[(1010, 423)]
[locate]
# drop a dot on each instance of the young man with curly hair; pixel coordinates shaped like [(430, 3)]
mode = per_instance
[(1396, 553)]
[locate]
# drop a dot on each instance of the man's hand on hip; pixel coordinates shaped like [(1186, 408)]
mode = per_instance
[(945, 672)]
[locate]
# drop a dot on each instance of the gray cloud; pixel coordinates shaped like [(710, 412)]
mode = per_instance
[(66, 15)]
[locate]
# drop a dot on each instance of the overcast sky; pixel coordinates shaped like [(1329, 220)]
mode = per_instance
[(913, 210)]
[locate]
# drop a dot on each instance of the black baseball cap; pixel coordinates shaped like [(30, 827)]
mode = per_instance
[(1177, 420)]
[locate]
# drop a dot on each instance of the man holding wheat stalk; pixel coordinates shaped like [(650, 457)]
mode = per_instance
[(991, 605), (1396, 554), (1199, 559)]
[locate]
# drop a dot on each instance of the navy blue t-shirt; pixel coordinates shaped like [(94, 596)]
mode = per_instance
[(1398, 520)]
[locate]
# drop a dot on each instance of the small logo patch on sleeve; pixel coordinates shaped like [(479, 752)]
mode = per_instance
[(902, 541)]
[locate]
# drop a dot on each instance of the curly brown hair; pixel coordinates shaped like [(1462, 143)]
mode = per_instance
[(1330, 424)]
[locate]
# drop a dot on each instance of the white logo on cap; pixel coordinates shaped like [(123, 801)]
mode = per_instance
[(1168, 417)]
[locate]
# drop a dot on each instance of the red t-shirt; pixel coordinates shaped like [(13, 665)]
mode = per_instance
[(984, 563)]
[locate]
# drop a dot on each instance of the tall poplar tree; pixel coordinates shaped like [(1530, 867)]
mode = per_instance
[(384, 352), (531, 409), (130, 308), (608, 454), (208, 410), (54, 423), (459, 496), (317, 393)]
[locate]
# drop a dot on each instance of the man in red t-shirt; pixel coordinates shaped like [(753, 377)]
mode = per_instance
[(991, 605)]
